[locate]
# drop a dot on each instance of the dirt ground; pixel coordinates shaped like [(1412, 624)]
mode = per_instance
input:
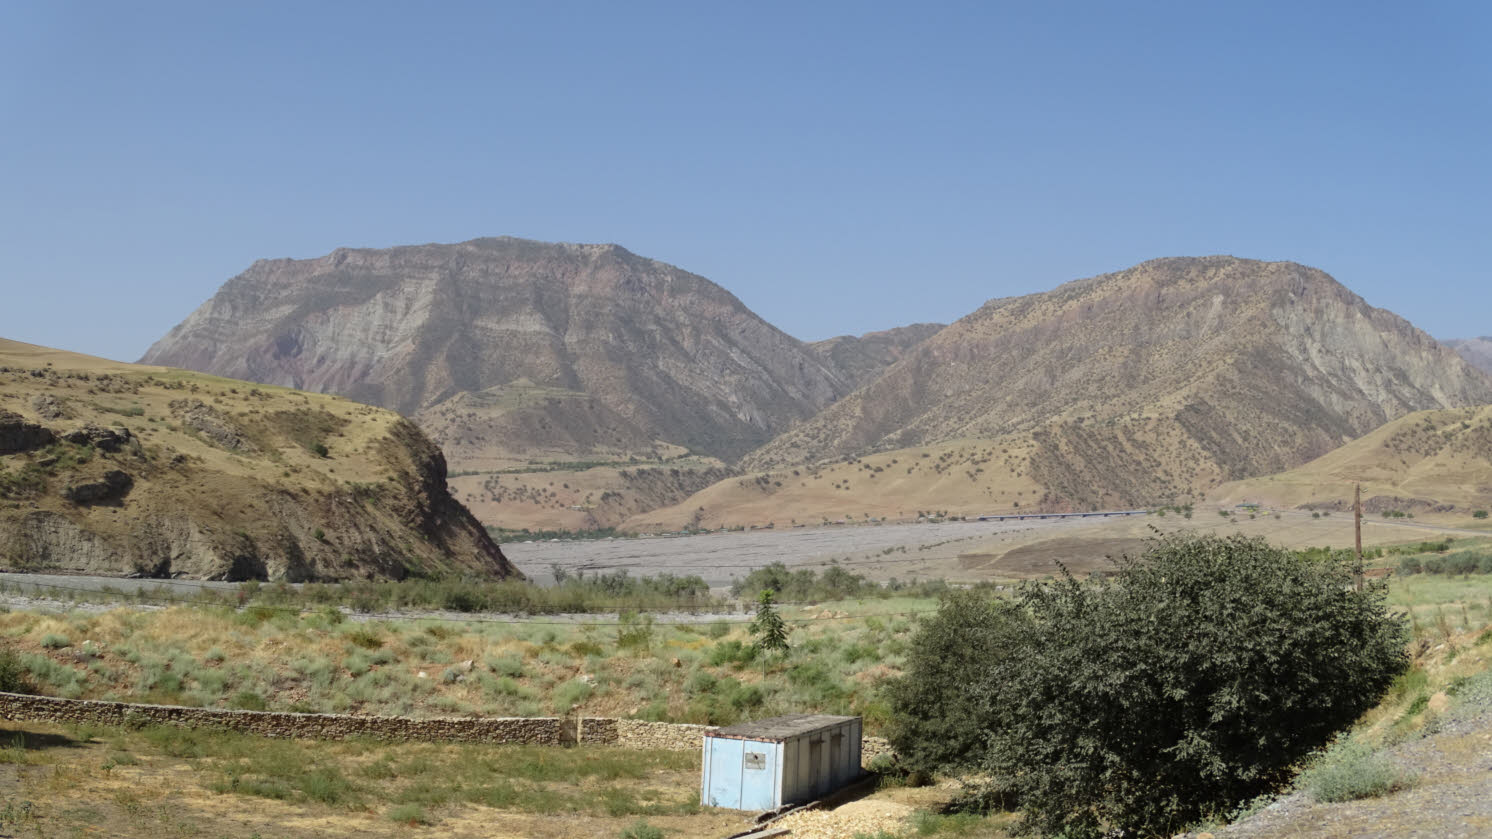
[(57, 783)]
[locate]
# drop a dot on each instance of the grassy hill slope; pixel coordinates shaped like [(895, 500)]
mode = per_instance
[(1429, 461), (121, 469)]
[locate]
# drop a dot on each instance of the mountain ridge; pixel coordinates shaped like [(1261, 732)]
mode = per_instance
[(412, 326), (1476, 351)]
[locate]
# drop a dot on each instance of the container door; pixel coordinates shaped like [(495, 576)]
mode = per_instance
[(758, 776), (725, 773), (817, 777)]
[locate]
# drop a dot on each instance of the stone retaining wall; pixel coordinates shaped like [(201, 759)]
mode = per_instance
[(547, 731), (674, 737), (534, 730)]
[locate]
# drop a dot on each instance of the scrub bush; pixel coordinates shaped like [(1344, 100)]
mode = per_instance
[(1190, 682)]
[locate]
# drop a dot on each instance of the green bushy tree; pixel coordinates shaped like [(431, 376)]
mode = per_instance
[(1188, 683), (769, 629), (969, 644)]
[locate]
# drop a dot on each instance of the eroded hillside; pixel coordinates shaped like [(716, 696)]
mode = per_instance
[(1144, 386), (1478, 351), (120, 469), (660, 353)]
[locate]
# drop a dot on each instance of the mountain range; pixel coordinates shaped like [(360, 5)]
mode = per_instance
[(1148, 385), (651, 350), (1477, 351)]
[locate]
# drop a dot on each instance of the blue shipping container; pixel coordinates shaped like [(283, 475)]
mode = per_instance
[(765, 764)]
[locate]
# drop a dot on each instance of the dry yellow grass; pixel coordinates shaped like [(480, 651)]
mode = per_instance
[(220, 472), (1423, 461)]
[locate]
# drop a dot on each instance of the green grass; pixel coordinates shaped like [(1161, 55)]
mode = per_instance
[(1350, 770)]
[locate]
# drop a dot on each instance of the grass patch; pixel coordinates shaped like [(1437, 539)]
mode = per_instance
[(411, 814), (1350, 770)]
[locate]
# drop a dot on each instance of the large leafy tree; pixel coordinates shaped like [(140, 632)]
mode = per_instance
[(1192, 681)]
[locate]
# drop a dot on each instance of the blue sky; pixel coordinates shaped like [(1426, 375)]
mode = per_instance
[(839, 167)]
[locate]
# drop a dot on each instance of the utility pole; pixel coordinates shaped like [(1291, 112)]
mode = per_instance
[(1357, 522)]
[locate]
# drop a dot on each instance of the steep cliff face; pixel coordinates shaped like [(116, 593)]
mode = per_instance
[(1149, 384), (1477, 351), (118, 469), (665, 351)]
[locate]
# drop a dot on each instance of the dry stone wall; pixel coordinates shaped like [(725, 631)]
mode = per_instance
[(532, 730), (547, 731)]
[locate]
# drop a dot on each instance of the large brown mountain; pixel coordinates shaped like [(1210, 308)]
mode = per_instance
[(118, 469), (1143, 385), (1478, 351), (861, 358), (654, 350)]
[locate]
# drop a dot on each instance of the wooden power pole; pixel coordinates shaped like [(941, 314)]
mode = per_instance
[(1357, 525)]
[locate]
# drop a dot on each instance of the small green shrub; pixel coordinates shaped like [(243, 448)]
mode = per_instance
[(640, 829), (570, 694), (733, 652), (1479, 514), (364, 637), (13, 673), (410, 814), (53, 641), (247, 700), (1350, 770)]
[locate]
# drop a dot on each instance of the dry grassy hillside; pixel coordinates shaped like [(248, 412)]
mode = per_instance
[(588, 497), (1430, 461), (1145, 386), (121, 469), (966, 477)]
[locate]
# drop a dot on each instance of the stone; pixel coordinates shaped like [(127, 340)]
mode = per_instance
[(201, 418), (17, 434), (107, 439), (113, 484), (48, 406)]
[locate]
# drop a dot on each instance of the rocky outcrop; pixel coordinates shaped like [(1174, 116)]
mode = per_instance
[(109, 439), (19, 435), (236, 484), (197, 416), (408, 328), (49, 407), (112, 485)]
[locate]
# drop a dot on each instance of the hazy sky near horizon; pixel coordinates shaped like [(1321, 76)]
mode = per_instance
[(840, 167)]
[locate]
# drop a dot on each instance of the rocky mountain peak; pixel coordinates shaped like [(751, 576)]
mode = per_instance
[(410, 327)]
